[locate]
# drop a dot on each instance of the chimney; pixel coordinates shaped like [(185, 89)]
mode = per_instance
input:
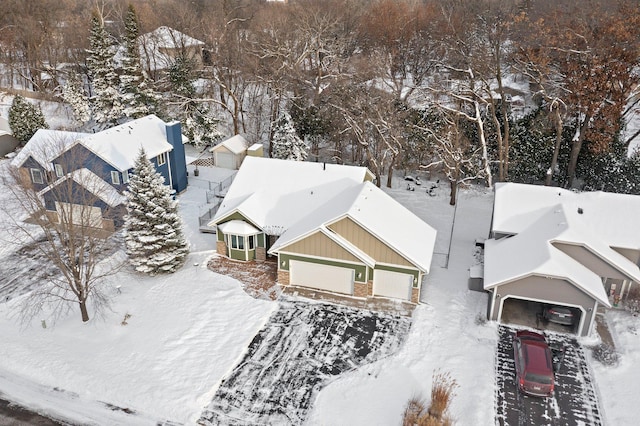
[(580, 211), (178, 162)]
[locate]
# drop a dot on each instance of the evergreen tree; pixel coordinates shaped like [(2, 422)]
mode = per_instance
[(285, 142), (139, 98), (154, 237), (107, 104), (25, 119), (74, 95), (198, 124)]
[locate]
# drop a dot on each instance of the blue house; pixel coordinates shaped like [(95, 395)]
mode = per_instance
[(80, 175)]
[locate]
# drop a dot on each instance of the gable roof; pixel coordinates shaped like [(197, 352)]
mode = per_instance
[(512, 258), (518, 206), (120, 145), (92, 183), (376, 212), (274, 194), (45, 145), (236, 144), (165, 37)]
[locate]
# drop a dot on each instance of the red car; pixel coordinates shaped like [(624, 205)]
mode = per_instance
[(534, 364)]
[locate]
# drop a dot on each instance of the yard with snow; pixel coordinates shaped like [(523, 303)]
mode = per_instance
[(169, 347)]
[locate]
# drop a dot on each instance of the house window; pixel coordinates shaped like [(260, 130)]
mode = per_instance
[(59, 171), (252, 242), (36, 176), (125, 176), (237, 242), (162, 158), (115, 178)]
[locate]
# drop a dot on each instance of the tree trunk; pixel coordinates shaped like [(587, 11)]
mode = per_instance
[(390, 171), (83, 311), (483, 144), (576, 146), (556, 150), (452, 194)]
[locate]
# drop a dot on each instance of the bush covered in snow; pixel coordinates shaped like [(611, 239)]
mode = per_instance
[(605, 354)]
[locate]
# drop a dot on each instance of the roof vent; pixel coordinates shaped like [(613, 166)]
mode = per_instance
[(580, 211)]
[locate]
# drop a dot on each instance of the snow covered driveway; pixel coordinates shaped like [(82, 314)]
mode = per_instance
[(573, 402), (302, 347)]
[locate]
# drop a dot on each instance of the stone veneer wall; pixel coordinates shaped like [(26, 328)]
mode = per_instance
[(360, 289), (283, 277), (221, 247), (415, 295), (261, 253)]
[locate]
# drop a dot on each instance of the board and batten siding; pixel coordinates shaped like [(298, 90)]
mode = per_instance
[(585, 257), (368, 243), (318, 244)]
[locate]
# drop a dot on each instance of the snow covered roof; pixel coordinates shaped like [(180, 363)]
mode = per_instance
[(45, 145), (120, 145), (238, 227), (379, 214), (168, 38), (613, 216), (274, 194), (94, 184), (532, 253), (236, 144)]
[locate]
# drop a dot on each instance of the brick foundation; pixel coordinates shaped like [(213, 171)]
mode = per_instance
[(415, 295), (369, 288), (360, 289), (261, 253), (283, 277), (221, 247)]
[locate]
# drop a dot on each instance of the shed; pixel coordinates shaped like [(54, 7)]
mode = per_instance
[(229, 153)]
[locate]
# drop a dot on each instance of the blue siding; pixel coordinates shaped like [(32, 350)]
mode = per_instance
[(177, 157), (29, 164), (79, 157)]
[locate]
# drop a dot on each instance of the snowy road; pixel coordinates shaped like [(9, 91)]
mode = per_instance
[(303, 346), (574, 399)]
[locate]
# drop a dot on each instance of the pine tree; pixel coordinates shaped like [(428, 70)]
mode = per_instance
[(198, 124), (107, 104), (25, 119), (286, 143), (154, 237), (74, 95), (139, 98)]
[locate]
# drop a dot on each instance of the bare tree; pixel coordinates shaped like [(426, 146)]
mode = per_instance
[(70, 218), (455, 154)]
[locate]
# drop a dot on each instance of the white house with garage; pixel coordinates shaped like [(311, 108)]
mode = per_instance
[(328, 227), (558, 247)]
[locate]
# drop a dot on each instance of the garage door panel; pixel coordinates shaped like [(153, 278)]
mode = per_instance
[(322, 277), (225, 160), (395, 285), (80, 215)]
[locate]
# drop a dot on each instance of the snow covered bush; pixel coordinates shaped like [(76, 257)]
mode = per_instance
[(154, 237), (285, 142), (605, 354), (632, 304), (25, 119)]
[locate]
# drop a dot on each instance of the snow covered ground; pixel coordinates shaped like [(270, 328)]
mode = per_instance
[(187, 331)]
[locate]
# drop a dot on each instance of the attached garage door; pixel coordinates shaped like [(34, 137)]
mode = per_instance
[(80, 215), (322, 277), (392, 284), (225, 160)]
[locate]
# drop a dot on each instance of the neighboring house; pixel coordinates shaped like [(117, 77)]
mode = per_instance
[(76, 169), (229, 153), (7, 142), (160, 48), (329, 227), (554, 246)]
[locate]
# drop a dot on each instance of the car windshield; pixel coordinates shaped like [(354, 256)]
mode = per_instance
[(538, 378)]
